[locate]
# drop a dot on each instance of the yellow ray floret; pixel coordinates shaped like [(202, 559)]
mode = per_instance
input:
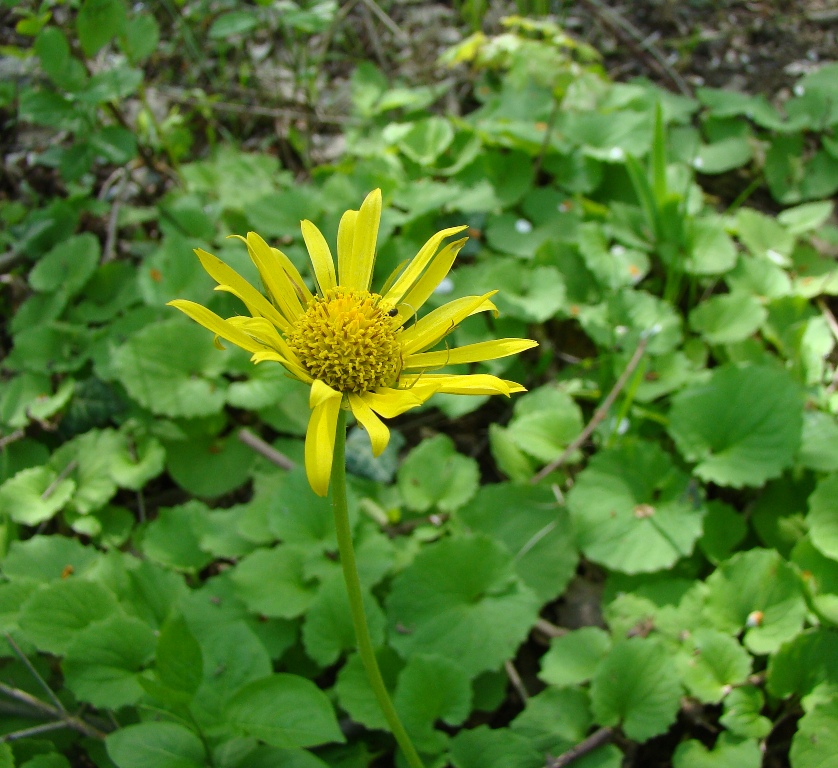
[(350, 345)]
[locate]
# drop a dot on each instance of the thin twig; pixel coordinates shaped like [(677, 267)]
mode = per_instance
[(12, 437), (274, 456), (254, 109), (597, 739), (35, 730), (377, 48), (516, 681), (110, 236), (550, 629), (600, 412), (59, 478), (638, 43), (828, 316), (34, 672), (61, 717), (386, 20)]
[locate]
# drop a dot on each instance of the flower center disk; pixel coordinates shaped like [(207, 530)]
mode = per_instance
[(346, 340)]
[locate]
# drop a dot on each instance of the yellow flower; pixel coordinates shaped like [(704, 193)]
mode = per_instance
[(351, 345)]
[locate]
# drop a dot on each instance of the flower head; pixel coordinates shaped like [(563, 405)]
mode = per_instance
[(352, 346)]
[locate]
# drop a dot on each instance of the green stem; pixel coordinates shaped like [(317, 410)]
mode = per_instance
[(356, 600)]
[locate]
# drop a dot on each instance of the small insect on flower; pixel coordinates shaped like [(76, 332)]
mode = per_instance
[(345, 341)]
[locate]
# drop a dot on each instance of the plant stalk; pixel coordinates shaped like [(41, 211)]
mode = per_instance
[(356, 601)]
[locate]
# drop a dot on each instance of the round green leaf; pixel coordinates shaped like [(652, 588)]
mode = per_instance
[(209, 466), (172, 369), (46, 558), (819, 446), (461, 599), (727, 753), (756, 592), (805, 662), (712, 251), (103, 660), (728, 318), (815, 744), (53, 616), (637, 686), (68, 266), (434, 474), (534, 530), (157, 745), (355, 694), (741, 426), (24, 497), (551, 734), (632, 510), (272, 581), (173, 538), (573, 658), (484, 747), (430, 689), (716, 662), (98, 22), (822, 517), (284, 711), (742, 714)]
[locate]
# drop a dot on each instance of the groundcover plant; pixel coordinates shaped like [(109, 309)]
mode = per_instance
[(633, 562)]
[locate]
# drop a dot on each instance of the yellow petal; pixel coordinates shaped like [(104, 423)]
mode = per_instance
[(320, 443), (320, 393), (321, 256), (346, 235), (392, 402), (231, 281), (471, 353), (216, 324), (272, 355), (418, 264), (468, 384), (285, 286), (362, 261), (428, 283), (435, 325), (264, 332), (376, 429)]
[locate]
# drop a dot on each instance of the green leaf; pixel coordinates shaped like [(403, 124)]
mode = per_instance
[(711, 250), (815, 743), (742, 708), (483, 747), (46, 558), (547, 732), (807, 217), (573, 658), (724, 530), (173, 538), (632, 511), (427, 139), (431, 688), (808, 660), (742, 425), (209, 466), (328, 630), (172, 368), (716, 663), (636, 686), (273, 582), (758, 593), (157, 745), (723, 156), (614, 266), (179, 662), (460, 599), (823, 516), (111, 84), (92, 452), (137, 461), (434, 474), (54, 52), (141, 37), (819, 444), (23, 497), (54, 615), (233, 23), (545, 421), (355, 694), (103, 660), (728, 318), (727, 753), (284, 711), (534, 530), (764, 237), (49, 760), (98, 22)]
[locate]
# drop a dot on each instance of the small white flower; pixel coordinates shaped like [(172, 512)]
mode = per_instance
[(799, 90), (698, 162), (523, 226), (618, 250), (776, 257), (616, 153)]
